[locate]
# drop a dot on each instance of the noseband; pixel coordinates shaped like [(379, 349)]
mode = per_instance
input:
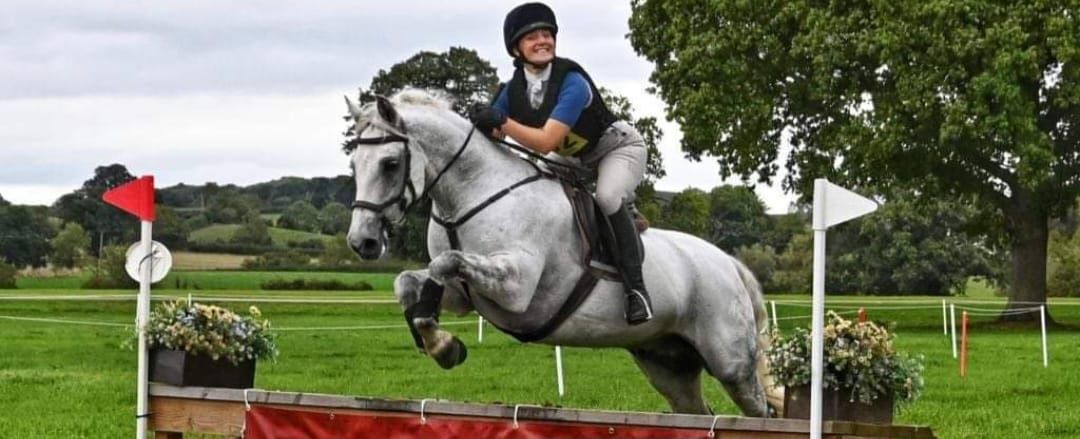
[(403, 202)]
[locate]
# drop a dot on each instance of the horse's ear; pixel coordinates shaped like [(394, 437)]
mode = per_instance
[(354, 110), (387, 112)]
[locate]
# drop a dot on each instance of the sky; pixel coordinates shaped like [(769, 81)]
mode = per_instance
[(245, 92)]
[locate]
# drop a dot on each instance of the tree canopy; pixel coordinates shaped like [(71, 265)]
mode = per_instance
[(973, 100), (85, 207), (460, 72)]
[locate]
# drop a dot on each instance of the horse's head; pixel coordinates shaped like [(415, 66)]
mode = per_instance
[(388, 172)]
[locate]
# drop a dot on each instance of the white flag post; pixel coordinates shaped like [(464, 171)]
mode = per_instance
[(832, 205), (142, 316)]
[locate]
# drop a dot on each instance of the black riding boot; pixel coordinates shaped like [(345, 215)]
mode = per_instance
[(638, 306)]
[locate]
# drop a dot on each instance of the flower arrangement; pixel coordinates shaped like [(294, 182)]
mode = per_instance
[(858, 356), (211, 331)]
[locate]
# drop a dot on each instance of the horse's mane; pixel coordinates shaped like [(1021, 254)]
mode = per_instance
[(424, 97), (369, 115)]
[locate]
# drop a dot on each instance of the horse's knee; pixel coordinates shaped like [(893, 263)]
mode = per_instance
[(407, 287)]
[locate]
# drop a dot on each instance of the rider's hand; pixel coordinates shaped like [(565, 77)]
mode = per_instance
[(486, 117)]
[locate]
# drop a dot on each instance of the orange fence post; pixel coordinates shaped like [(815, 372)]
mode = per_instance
[(862, 315)]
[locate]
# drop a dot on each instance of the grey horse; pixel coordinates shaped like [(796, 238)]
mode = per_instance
[(521, 253)]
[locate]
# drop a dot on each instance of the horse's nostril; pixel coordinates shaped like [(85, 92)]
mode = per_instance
[(369, 245)]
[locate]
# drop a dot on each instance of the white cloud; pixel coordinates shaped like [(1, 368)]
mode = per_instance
[(241, 92)]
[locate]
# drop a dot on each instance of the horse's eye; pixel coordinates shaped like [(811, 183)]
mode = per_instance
[(390, 166)]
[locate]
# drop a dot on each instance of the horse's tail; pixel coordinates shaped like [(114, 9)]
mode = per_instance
[(773, 394)]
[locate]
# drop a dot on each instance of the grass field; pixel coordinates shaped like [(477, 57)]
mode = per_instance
[(225, 232), (73, 380)]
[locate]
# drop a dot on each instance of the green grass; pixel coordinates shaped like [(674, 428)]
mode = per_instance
[(75, 381), (213, 280), (224, 232)]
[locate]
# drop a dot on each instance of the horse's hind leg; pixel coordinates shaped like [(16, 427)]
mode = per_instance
[(673, 367), (733, 362), (421, 298)]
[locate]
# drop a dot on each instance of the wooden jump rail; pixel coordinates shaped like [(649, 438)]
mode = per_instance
[(204, 410)]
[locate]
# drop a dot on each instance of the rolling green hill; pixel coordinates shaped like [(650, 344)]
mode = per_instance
[(224, 232)]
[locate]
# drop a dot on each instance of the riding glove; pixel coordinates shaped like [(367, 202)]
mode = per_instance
[(486, 117)]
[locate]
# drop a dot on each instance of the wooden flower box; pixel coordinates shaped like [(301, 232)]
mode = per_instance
[(181, 368), (837, 406)]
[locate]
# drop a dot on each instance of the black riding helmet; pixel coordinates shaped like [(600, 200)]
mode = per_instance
[(527, 18)]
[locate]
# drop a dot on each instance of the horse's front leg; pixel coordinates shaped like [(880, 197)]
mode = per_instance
[(421, 298), (508, 278)]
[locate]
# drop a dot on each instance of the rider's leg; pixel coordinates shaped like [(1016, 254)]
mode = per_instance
[(619, 173)]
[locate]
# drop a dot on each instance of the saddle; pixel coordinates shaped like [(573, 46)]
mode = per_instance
[(596, 235)]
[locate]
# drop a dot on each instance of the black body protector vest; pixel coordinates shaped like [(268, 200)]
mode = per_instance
[(590, 125)]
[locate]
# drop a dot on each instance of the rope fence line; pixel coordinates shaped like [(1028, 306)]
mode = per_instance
[(300, 328), (63, 321)]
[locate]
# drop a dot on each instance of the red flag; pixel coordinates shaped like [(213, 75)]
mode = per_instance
[(135, 197)]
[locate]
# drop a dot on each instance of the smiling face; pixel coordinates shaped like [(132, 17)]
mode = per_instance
[(537, 47)]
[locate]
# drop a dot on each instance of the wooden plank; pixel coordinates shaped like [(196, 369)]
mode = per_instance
[(182, 415), (227, 416)]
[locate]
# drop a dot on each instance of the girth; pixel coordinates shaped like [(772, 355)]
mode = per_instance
[(582, 288)]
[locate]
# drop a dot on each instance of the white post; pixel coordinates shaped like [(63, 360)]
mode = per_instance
[(944, 318), (832, 205), (480, 329), (558, 370), (774, 319), (952, 319), (142, 315), (1042, 319), (817, 352)]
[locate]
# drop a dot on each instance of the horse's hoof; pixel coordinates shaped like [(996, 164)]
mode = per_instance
[(453, 354)]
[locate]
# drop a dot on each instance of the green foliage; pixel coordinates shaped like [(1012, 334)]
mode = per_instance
[(24, 235), (334, 218), (907, 248), (1064, 265), (794, 266), (336, 253), (859, 357), (170, 230), (212, 331), (737, 217), (196, 222), (70, 246), (761, 260), (688, 212), (230, 206), (85, 207), (110, 272), (300, 215), (7, 275), (4, 202), (252, 232), (314, 284), (462, 73), (973, 100)]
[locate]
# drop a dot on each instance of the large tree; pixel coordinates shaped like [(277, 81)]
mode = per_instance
[(972, 100), (85, 207), (24, 235), (459, 71)]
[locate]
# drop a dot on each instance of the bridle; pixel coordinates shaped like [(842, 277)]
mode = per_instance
[(404, 203)]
